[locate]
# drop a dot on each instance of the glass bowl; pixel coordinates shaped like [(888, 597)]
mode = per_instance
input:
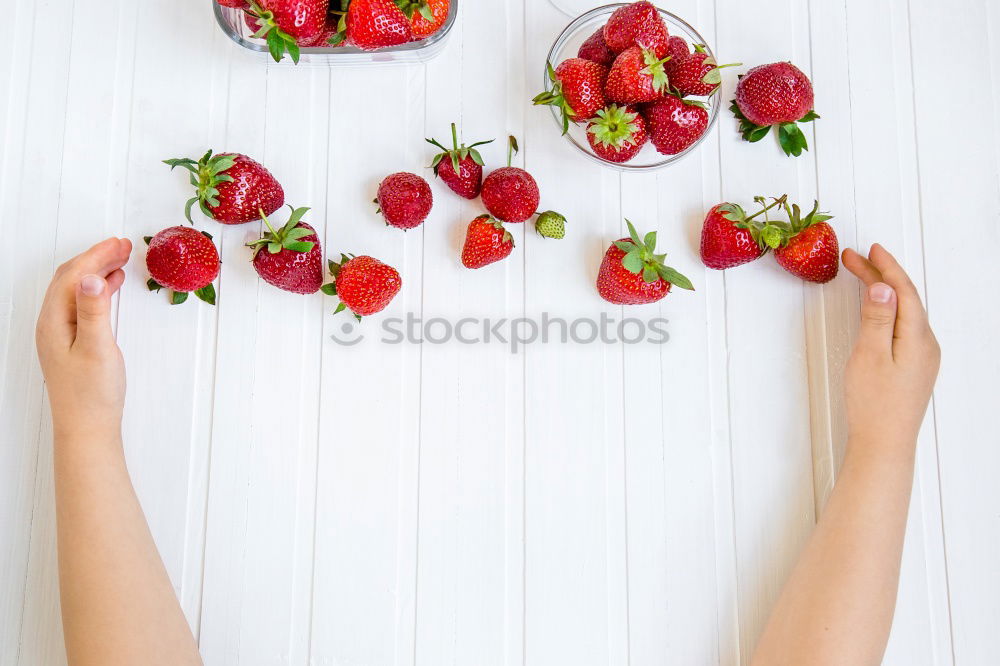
[(231, 21), (567, 45)]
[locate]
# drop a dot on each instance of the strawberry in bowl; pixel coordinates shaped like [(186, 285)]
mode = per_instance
[(645, 121)]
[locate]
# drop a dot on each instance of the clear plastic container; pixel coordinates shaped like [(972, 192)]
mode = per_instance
[(233, 24), (566, 46)]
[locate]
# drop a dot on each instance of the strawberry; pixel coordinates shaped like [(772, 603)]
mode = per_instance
[(486, 242), (677, 47), (617, 134), (375, 24), (230, 188), (695, 73), (577, 89), (551, 224), (510, 194), (674, 124), (284, 24), (632, 273), (293, 260), (807, 247), (183, 260), (731, 238), (404, 199), (637, 76), (426, 16), (331, 36), (596, 49), (364, 285), (637, 24), (779, 94), (235, 4), (461, 168)]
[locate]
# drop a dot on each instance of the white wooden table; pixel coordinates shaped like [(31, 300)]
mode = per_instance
[(459, 504)]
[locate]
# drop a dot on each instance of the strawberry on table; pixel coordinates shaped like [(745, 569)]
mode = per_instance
[(461, 167), (577, 89), (183, 260), (632, 273), (776, 95), (808, 247), (404, 199), (695, 73), (290, 258), (617, 133), (637, 24), (230, 188), (510, 194), (376, 24), (674, 125), (365, 285), (426, 16), (638, 75), (596, 49), (285, 24), (486, 242), (730, 237), (551, 224)]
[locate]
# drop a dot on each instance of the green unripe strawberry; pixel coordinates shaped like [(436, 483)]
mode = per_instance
[(551, 224)]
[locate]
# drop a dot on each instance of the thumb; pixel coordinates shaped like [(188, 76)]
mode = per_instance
[(878, 317), (93, 308)]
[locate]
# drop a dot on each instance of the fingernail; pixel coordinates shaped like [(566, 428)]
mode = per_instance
[(880, 292), (92, 285)]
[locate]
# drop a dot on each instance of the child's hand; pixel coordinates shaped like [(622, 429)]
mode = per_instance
[(891, 372), (83, 367)]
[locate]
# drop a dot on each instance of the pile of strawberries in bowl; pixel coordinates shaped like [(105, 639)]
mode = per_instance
[(632, 85)]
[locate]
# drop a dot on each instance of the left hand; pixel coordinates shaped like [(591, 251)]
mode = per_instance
[(83, 367)]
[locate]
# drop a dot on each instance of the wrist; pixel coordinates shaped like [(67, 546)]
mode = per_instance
[(893, 448)]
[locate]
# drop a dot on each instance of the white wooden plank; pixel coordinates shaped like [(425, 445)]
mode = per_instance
[(472, 423), (958, 184), (362, 585)]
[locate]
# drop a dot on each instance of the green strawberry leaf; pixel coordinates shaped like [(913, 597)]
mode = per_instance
[(625, 246), (206, 293), (340, 308), (650, 241), (649, 274), (178, 297), (632, 261), (809, 117), (674, 278), (330, 289), (300, 246), (152, 285), (791, 138)]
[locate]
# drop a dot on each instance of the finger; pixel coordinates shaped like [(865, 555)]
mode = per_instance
[(101, 260), (912, 316), (115, 281), (93, 309), (878, 318), (861, 267)]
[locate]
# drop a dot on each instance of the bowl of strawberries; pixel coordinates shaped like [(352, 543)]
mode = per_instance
[(339, 32), (632, 86)]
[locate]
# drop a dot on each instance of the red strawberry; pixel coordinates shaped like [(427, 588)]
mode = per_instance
[(637, 24), (632, 272), (286, 23), (617, 134), (808, 249), (404, 199), (461, 168), (375, 24), (291, 258), (182, 259), (637, 76), (331, 36), (364, 285), (730, 238), (674, 124), (596, 49), (677, 47), (486, 241), (695, 73), (231, 188), (235, 4), (510, 194), (426, 16), (577, 89), (776, 94)]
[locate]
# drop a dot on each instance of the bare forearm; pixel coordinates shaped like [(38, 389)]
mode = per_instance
[(117, 601), (838, 605)]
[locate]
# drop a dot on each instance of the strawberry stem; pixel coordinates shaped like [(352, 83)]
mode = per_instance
[(777, 202)]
